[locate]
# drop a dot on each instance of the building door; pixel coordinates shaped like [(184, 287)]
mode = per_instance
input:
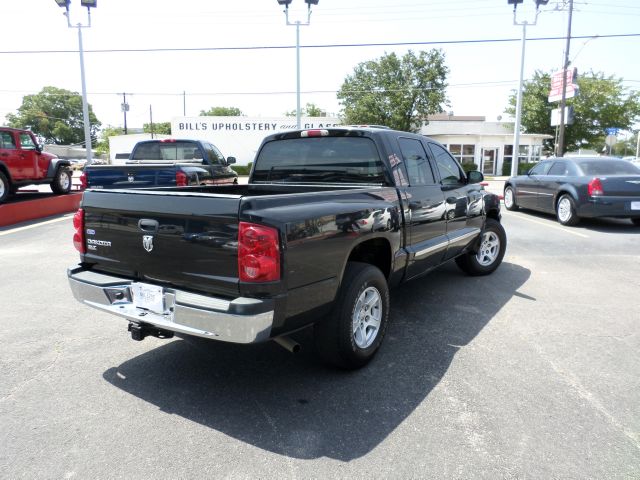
[(489, 158)]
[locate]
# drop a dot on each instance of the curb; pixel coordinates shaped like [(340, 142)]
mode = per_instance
[(18, 212)]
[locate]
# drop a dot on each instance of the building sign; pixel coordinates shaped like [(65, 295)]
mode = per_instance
[(240, 137), (571, 76)]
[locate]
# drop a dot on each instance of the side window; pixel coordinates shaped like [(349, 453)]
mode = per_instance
[(415, 159), (27, 142), (541, 169), (450, 172), (558, 169), (6, 141), (215, 157)]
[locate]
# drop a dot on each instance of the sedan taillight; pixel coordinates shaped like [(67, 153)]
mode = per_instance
[(83, 180), (595, 187), (78, 236), (258, 253)]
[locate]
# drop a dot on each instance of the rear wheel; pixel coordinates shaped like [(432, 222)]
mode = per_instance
[(62, 181), (566, 211), (493, 244), (352, 333), (510, 199), (5, 187)]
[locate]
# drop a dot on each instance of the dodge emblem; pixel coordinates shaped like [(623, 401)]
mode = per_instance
[(147, 242)]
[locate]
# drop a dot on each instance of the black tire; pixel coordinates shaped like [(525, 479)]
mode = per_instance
[(636, 221), (493, 245), (510, 199), (335, 339), (62, 181), (5, 187), (566, 211)]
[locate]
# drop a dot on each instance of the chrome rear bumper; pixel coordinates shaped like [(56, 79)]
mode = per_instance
[(242, 320)]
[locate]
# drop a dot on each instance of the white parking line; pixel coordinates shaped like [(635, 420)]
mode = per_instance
[(556, 227), (35, 225)]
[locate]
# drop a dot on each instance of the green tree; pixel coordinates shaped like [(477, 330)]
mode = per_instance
[(397, 92), (310, 110), (222, 112), (601, 102), (55, 115), (161, 128), (102, 145)]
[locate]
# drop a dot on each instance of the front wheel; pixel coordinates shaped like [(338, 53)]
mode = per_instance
[(352, 333), (510, 199), (62, 181), (566, 211), (493, 244)]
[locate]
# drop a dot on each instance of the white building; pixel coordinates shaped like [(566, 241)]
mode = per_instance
[(470, 139), (486, 144)]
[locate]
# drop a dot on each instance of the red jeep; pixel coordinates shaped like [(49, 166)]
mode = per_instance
[(22, 162)]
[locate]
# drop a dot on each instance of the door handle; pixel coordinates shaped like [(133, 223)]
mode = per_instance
[(148, 225)]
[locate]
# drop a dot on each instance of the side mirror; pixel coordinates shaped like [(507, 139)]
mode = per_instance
[(231, 160), (38, 147), (475, 176)]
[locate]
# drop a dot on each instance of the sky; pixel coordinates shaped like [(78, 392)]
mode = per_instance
[(175, 58)]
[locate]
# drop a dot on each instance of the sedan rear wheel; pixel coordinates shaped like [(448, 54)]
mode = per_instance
[(566, 211), (510, 199)]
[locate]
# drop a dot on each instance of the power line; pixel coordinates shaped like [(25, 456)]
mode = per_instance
[(334, 45)]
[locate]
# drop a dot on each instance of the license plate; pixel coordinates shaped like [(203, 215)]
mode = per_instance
[(635, 205), (148, 297)]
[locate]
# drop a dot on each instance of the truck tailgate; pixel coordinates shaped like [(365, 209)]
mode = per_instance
[(147, 235), (130, 176)]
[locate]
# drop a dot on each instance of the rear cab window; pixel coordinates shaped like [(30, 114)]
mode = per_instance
[(329, 159), (168, 151)]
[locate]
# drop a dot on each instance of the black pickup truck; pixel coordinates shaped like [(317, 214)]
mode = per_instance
[(330, 220), (167, 162)]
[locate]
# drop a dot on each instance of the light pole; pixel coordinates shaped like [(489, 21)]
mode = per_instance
[(85, 106), (516, 127), (298, 23)]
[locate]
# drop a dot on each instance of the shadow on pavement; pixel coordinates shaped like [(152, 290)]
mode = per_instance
[(604, 225), (294, 406)]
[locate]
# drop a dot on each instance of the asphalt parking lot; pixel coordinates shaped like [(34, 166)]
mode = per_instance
[(532, 372)]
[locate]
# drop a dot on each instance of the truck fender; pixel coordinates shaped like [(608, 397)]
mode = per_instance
[(376, 243), (55, 164)]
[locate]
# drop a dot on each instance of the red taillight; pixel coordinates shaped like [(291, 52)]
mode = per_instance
[(181, 179), (83, 180), (258, 253), (595, 187), (168, 140), (78, 237)]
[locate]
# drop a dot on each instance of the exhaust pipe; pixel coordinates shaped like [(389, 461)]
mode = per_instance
[(288, 343)]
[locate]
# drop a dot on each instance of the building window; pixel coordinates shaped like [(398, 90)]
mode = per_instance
[(527, 154), (463, 153)]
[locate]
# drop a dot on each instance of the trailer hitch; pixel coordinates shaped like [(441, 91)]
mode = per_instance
[(141, 330)]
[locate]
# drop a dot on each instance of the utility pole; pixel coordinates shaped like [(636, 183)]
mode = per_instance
[(151, 120), (563, 102), (125, 109)]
